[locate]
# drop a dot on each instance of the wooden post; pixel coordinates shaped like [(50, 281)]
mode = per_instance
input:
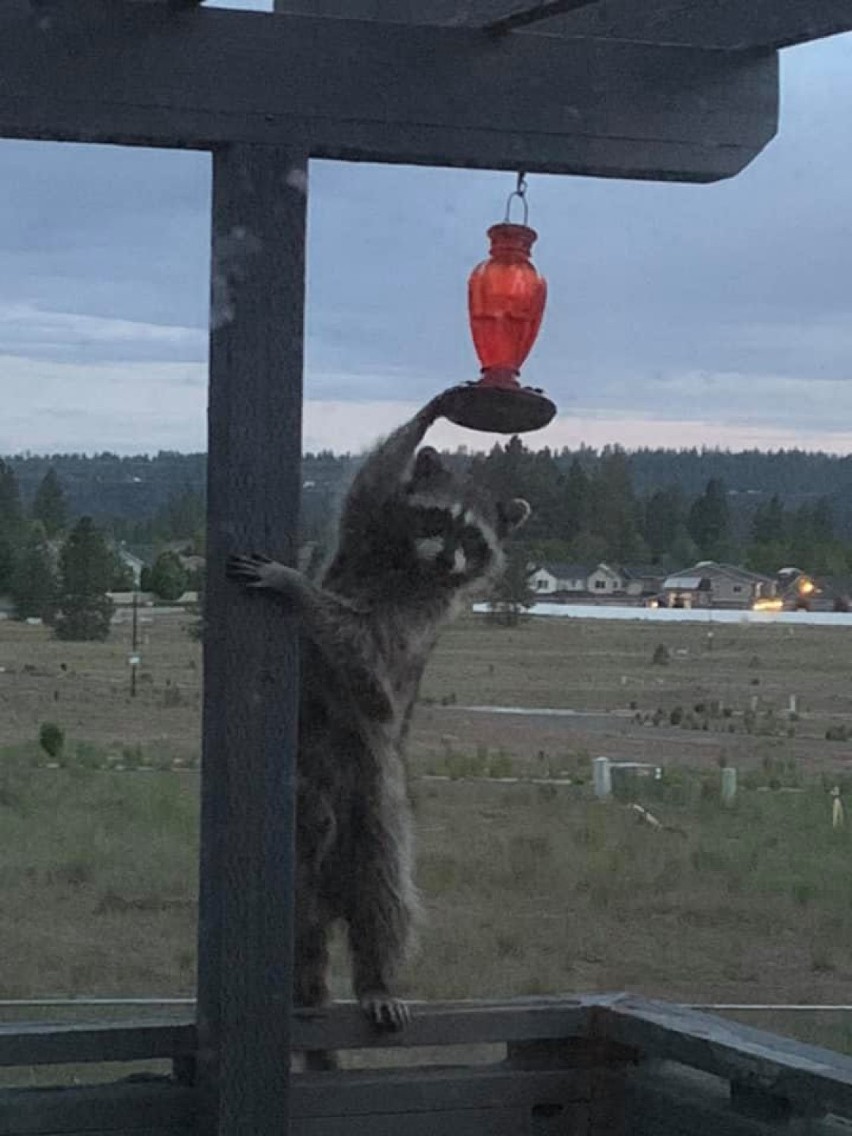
[(250, 647), (134, 643)]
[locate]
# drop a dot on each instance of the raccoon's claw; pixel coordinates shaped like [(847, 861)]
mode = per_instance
[(385, 1011)]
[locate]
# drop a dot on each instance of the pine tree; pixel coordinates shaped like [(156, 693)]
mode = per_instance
[(664, 516), (11, 525), (769, 548), (182, 517), (683, 551), (709, 522), (85, 574), (512, 594), (34, 583), (614, 513), (49, 505), (168, 578), (121, 575), (575, 504), (822, 522), (768, 525)]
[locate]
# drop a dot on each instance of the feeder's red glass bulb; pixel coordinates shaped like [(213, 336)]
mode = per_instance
[(506, 298)]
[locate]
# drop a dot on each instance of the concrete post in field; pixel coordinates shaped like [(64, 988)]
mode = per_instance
[(729, 785), (838, 816), (602, 775)]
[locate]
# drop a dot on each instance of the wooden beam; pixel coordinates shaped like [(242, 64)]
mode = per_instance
[(698, 23), (57, 1043), (665, 1099), (730, 24), (812, 1079), (341, 1026), (142, 74), (499, 15), (449, 1023), (487, 1100), (251, 679), (154, 1107), (525, 15)]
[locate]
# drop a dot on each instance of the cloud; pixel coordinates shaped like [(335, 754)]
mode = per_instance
[(52, 407), (143, 406), (675, 311), (29, 332)]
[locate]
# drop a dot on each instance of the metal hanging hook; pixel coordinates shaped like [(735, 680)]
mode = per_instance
[(520, 191)]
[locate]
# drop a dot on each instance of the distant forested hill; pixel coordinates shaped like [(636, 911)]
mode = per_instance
[(105, 485), (625, 505)]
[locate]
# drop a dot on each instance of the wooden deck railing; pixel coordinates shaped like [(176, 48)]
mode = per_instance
[(591, 1066)]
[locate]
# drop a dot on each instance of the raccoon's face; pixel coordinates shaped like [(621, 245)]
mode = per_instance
[(456, 531)]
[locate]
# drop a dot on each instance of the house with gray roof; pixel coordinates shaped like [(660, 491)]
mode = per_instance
[(710, 584), (557, 578)]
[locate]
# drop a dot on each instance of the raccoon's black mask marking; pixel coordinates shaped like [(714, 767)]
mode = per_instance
[(451, 525)]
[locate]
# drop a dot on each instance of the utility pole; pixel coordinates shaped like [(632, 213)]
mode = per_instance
[(134, 639)]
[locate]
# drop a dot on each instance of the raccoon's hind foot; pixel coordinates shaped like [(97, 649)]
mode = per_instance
[(385, 1011)]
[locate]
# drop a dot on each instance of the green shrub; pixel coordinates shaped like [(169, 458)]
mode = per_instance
[(500, 765), (51, 738)]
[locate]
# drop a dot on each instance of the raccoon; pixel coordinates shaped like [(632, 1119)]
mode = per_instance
[(415, 541)]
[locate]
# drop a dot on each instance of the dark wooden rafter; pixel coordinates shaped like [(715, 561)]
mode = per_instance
[(730, 24), (143, 74), (733, 24), (527, 15)]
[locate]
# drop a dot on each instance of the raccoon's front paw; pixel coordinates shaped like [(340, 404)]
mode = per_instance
[(254, 570), (443, 405), (385, 1011)]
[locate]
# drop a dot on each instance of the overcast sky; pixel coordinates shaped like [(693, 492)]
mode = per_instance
[(677, 314)]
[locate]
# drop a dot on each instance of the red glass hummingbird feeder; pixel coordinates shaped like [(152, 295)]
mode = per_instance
[(506, 298)]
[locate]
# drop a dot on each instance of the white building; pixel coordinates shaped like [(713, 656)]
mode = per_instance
[(556, 578)]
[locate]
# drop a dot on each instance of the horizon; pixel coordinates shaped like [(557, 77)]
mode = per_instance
[(458, 450)]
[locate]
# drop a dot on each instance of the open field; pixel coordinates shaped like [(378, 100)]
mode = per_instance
[(529, 888), (581, 665)]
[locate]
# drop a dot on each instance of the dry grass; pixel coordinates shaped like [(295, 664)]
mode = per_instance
[(85, 687), (528, 888)]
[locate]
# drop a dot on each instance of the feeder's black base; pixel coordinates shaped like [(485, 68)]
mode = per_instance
[(501, 410)]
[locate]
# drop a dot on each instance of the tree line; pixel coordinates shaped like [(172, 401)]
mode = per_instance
[(788, 508), (61, 572), (589, 510), (131, 491)]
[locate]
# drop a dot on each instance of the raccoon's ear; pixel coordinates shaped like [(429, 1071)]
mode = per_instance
[(513, 514), (427, 464)]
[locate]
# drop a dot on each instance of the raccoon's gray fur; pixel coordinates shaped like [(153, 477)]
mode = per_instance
[(414, 541)]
